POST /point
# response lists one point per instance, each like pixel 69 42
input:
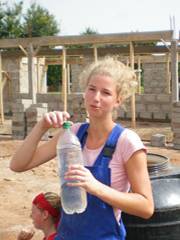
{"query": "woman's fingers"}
pixel 62 117
pixel 56 119
pixel 79 176
pixel 26 234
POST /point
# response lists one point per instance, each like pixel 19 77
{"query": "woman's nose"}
pixel 97 95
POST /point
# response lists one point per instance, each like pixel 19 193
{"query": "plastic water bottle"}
pixel 73 199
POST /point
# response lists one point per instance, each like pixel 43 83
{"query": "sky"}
pixel 112 16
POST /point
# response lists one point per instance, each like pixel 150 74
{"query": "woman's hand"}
pixel 55 119
pixel 26 234
pixel 83 178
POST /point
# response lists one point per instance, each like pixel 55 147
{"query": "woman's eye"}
pixel 91 89
pixel 107 93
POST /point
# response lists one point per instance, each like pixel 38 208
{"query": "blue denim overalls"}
pixel 97 222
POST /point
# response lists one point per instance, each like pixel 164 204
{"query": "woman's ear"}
pixel 45 214
pixel 118 102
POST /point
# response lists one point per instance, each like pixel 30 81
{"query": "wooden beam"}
pixel 168 77
pixel 88 39
pixel 68 79
pixel 113 50
pixel 38 76
pixel 95 53
pixel 31 75
pixel 55 61
pixel 64 80
pixel 174 71
pixel 133 103
pixel 139 74
pixel 1 95
pixel 23 50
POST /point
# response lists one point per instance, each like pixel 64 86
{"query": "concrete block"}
pixel 158 140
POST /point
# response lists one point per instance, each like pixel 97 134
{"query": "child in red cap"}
pixel 46 209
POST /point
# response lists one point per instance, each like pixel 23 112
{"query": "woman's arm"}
pixel 138 202
pixel 31 153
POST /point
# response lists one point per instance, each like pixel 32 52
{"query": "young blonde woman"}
pixel 111 169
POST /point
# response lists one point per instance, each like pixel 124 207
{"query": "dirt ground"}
pixel 18 189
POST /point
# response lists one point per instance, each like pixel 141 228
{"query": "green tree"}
pixel 10 20
pixel 36 22
pixel 87 31
pixel 54 80
pixel 39 22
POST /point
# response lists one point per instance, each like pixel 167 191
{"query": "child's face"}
pixel 37 216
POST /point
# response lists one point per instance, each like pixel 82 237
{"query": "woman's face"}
pixel 37 216
pixel 100 96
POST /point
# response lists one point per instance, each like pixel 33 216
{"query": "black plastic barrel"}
pixel 165 222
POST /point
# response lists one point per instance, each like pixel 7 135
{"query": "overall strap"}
pixel 82 133
pixel 106 154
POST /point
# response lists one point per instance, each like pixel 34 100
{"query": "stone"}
pixel 158 140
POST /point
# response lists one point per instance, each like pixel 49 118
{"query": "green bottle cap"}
pixel 66 125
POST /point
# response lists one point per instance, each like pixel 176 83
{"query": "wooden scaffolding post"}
pixel 68 79
pixel 174 71
pixel 168 78
pixel 1 94
pixel 95 53
pixel 64 81
pixel 31 75
pixel 38 75
pixel 133 104
pixel 139 75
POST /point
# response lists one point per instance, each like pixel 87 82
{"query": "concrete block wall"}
pixel 75 104
pixel 76 69
pixel 155 77
pixel 11 89
pixel 149 107
pixel 175 123
pixel 18 84
pixel 33 115
pixel 19 128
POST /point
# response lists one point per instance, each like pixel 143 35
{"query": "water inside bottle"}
pixel 73 199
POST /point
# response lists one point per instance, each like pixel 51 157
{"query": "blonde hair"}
pixel 54 200
pixel 123 76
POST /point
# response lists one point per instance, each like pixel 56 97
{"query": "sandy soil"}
pixel 18 189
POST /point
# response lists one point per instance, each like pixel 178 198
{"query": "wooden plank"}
pixel 56 61
pixel 133 103
pixel 1 95
pixel 38 76
pixel 168 76
pixel 88 51
pixel 64 79
pixel 95 53
pixel 31 75
pixel 174 72
pixel 88 39
pixel 139 74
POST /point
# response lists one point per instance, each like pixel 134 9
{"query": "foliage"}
pixel 54 79
pixel 36 22
pixel 89 31
pixel 10 20
pixel 86 32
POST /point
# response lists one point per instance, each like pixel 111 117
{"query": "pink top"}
pixel 128 143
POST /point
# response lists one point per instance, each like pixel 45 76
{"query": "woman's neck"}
pixel 98 133
pixel 48 231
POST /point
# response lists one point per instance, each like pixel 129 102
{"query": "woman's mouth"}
pixel 95 107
